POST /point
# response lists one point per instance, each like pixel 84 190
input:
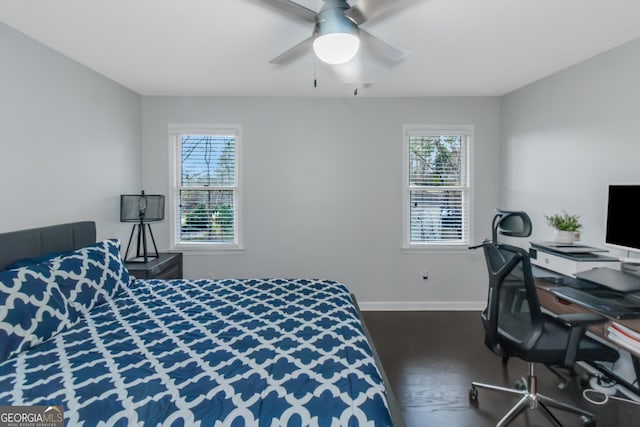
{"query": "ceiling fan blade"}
pixel 294 9
pixel 349 73
pixel 294 53
pixel 364 10
pixel 380 49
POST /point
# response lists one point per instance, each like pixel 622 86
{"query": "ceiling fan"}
pixel 336 36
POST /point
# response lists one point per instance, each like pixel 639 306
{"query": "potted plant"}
pixel 567 227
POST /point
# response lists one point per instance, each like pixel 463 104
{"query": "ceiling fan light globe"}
pixel 336 48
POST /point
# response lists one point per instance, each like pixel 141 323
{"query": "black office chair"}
pixel 515 326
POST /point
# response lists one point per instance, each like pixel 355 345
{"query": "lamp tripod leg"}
pixel 144 242
pixel 126 254
pixel 140 234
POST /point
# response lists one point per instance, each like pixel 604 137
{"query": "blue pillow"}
pixel 90 276
pixel 32 308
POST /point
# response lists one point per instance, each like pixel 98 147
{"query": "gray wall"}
pixel 69 137
pixel 323 192
pixel 568 136
pixel 322 177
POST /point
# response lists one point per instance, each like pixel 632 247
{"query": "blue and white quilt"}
pixel 258 352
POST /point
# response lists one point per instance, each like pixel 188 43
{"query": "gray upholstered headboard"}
pixel 36 242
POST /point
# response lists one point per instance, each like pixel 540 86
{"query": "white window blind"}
pixel 206 188
pixel 437 192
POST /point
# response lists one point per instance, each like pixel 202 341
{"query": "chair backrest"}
pixel 513 311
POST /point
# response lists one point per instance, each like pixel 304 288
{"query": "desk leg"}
pixel 636 368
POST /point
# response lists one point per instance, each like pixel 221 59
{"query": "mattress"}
pixel 253 352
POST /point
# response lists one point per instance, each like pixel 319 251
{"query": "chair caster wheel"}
pixel 587 421
pixel 520 385
pixel 473 394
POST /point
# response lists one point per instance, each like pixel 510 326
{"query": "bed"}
pixel 77 331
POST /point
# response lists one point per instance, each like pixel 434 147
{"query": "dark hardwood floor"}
pixel 431 358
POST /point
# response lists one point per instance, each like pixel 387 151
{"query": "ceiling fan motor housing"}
pixel 331 19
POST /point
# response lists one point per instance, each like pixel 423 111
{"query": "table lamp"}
pixel 141 209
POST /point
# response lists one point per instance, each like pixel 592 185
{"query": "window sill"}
pixel 421 249
pixel 206 249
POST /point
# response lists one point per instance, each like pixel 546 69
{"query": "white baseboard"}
pixel 422 305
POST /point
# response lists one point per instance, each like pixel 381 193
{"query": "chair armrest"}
pixel 581 318
pixel 578 323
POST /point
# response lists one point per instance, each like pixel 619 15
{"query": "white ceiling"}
pixel 223 47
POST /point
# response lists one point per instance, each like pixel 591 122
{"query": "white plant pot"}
pixel 567 237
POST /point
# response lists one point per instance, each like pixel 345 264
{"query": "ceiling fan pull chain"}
pixel 315 73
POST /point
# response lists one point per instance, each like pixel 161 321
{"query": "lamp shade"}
pixel 336 48
pixel 141 207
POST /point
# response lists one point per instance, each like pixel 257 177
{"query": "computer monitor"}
pixel 623 217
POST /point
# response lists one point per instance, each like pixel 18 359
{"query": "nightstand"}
pixel 167 266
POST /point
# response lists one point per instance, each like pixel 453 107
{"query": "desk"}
pixel 555 305
pixel 552 303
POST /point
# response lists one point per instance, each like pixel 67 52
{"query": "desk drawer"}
pixel 567 266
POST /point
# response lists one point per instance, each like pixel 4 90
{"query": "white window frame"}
pixel 175 132
pixel 467 150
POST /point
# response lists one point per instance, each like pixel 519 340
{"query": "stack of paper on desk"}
pixel 624 336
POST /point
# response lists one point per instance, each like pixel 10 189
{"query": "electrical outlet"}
pixel 425 275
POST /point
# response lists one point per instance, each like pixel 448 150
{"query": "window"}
pixel 206 193
pixel 437 193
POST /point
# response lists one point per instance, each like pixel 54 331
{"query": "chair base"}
pixel 531 400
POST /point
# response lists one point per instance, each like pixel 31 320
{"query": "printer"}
pixel 568 259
